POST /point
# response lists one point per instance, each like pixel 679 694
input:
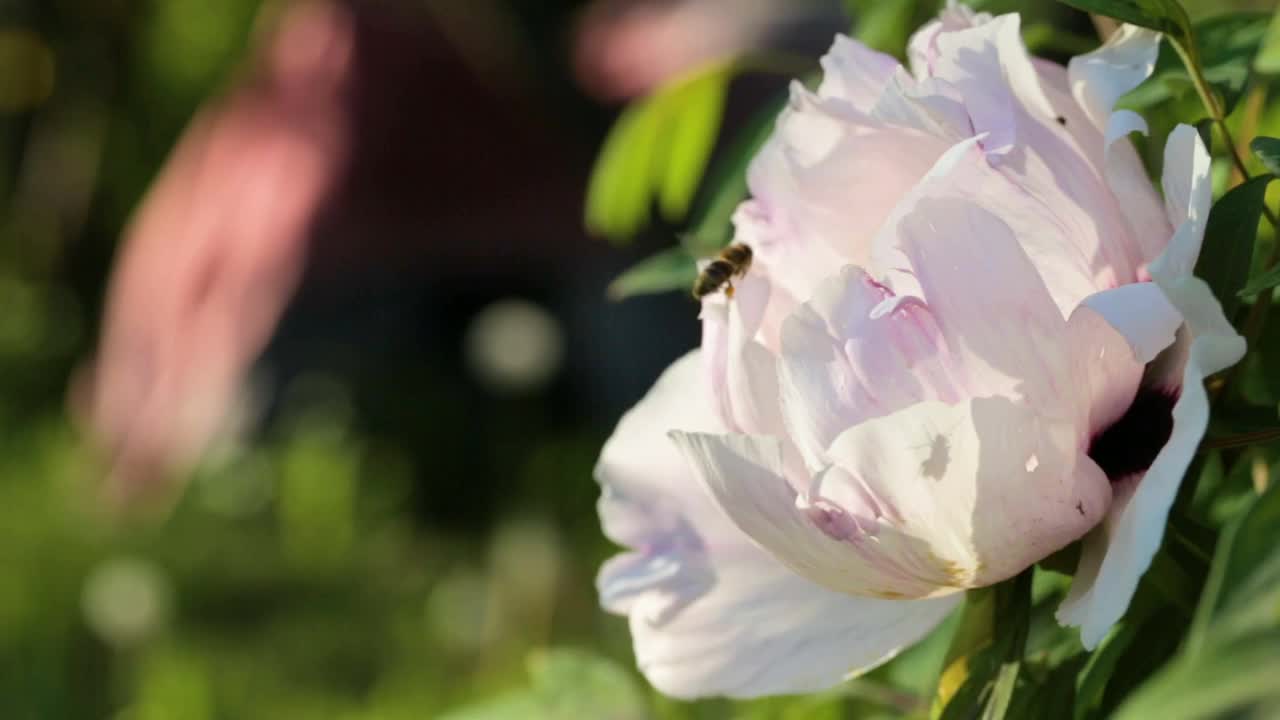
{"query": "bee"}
pixel 733 261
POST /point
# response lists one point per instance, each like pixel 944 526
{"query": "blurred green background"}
pixel 397 534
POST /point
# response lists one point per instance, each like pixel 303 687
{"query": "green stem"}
pixel 1241 440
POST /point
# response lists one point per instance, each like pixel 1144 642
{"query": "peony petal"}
pixel 1099 78
pixel 965 495
pixel 922 49
pixel 854 352
pixel 953 248
pixel 1142 314
pixel 1122 548
pixel 1108 364
pixel 1188 194
pixel 710 612
pixel 646 492
pixel 1133 531
pixel 855 73
pixel 762 630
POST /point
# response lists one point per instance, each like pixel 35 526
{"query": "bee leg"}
pixel 728 290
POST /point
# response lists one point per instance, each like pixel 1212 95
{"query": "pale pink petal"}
pixel 646 491
pixel 922 48
pixel 1133 531
pixel 1099 78
pixel 964 495
pixel 855 73
pixel 854 352
pixel 1060 244
pixel 1119 552
pixel 710 612
pixel 1142 314
pixel 763 630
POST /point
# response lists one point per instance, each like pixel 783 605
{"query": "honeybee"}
pixel 733 261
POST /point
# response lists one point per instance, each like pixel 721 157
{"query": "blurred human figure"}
pixel 627 48
pixel 216 250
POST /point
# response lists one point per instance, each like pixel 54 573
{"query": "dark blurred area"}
pixel 305 357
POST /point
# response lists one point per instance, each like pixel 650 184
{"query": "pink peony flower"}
pixel 970 338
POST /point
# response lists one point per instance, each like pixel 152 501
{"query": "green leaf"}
pixel 1226 679
pixel 1229 237
pixel 1167 16
pixel 711 228
pixel 1226 45
pixel 671 269
pixel 1267 149
pixel 981 670
pixel 1228 663
pixel 658 149
pixel 1268 279
pixel 619 193
pixel 1268 59
pixel 1245 575
pixel 565 683
pixel 694 113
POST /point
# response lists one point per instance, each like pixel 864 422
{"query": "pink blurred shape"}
pixel 627 48
pixel 215 252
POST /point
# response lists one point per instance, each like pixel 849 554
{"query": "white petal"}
pixel 762 630
pixel 1099 78
pixel 1133 531
pixel 1122 548
pixel 646 491
pixel 967 495
pixel 1188 194
pixel 854 352
pixel 710 612
pixel 855 73
pixel 1142 314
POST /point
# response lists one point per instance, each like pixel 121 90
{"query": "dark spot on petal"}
pixel 1080 508
pixel 1062 120
pixel 1131 444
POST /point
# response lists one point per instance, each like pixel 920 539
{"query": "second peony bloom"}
pixel 971 337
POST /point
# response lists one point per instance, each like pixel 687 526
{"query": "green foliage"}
pixel 657 150
pixel 565 684
pixel 1268 60
pixel 1226 46
pixel 710 229
pixel 1167 16
pixel 1268 151
pixel 982 666
pixel 1229 238
pixel 1227 665
pixel 671 269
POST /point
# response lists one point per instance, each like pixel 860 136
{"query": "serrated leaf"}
pixel 657 150
pixel 1229 237
pixel 1167 16
pixel 1267 149
pixel 671 269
